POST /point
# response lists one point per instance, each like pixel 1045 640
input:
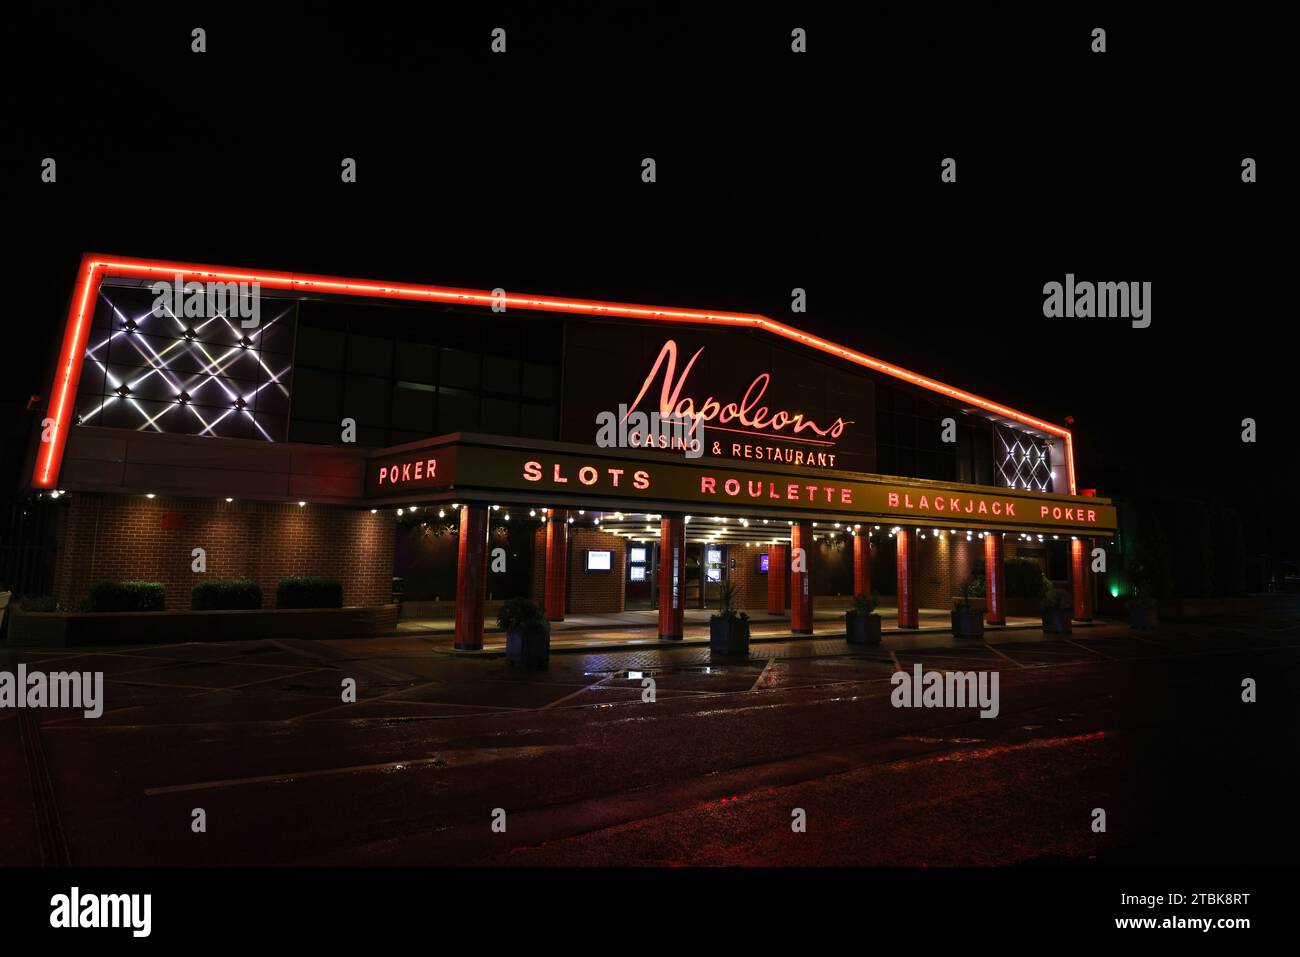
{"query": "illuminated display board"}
pixel 595 476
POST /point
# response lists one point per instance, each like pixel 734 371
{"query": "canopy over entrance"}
pixel 478 467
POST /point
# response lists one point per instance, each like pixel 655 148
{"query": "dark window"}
pixel 459 369
pixel 537 421
pixel 499 416
pixel 365 398
pixel 369 355
pixel 414 408
pixel 501 374
pixel 457 412
pixel 321 348
pixel 417 363
pixel 407 373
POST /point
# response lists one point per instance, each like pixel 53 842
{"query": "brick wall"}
pixel 113 537
pixel 588 592
pixel 751 584
pixel 595 592
pixel 942 564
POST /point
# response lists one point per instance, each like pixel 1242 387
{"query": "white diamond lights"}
pixel 1023 461
pixel 190 376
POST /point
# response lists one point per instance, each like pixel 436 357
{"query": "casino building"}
pixel 445 445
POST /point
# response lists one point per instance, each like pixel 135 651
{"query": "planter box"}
pixel 862 629
pixel 80 629
pixel 528 648
pixel 1056 621
pixel 1144 617
pixel 968 624
pixel 729 636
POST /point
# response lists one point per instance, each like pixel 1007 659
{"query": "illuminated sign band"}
pixel 487 469
pixel 747 412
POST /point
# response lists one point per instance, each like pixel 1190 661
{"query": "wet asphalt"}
pixel 581 770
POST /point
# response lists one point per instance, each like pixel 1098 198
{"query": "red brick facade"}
pixel 588 592
pixel 591 592
pixel 751 584
pixel 115 537
pixel 942 564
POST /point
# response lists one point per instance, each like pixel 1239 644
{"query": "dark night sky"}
pixel 775 171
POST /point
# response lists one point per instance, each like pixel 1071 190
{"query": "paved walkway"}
pixel 637 630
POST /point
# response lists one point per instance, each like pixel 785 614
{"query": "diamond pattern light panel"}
pixel 187 376
pixel 1023 461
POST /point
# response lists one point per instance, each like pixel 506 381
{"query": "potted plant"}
pixel 729 628
pixel 1143 610
pixel 528 633
pixel 967 619
pixel 861 623
pixel 1058 606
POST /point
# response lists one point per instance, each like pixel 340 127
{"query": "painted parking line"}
pixel 1091 651
pixel 1006 656
pixel 259 681
pixel 479 756
pixel 762 674
pixel 570 696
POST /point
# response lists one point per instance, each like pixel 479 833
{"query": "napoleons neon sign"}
pixel 756 418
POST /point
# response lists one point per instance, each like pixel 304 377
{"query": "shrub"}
pixel 37 603
pixel 520 614
pixel 727 604
pixel 222 595
pixel 309 591
pixel 865 604
pixel 1057 599
pixel 967 592
pixel 126 596
pixel 1025 578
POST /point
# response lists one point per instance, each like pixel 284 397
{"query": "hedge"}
pixel 1025 578
pixel 126 596
pixel 225 595
pixel 309 591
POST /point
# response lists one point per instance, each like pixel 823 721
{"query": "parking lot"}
pixel 590 771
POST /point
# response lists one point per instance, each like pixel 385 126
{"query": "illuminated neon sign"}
pixel 95 269
pixel 758 419
pixel 480 470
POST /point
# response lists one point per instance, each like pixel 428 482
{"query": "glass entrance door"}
pixel 641 585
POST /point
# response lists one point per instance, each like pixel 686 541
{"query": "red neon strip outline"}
pixel 95 268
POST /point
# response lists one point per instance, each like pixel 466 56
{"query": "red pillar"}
pixel 1081 577
pixel 672 576
pixel 471 576
pixel 777 568
pixel 801 602
pixel 861 563
pixel 905 539
pixel 557 563
pixel 995 580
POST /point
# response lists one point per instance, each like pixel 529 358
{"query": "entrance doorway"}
pixel 641 589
